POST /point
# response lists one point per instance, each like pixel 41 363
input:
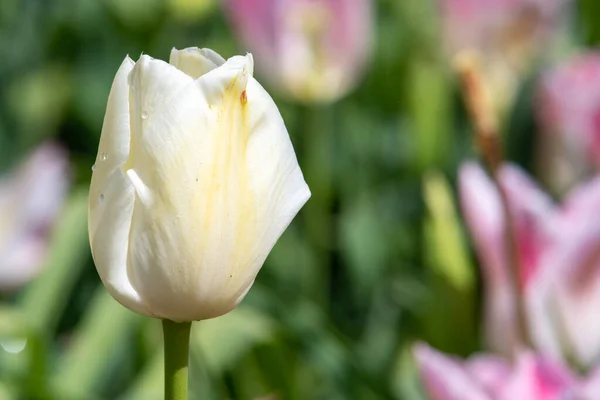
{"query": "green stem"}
pixel 177 341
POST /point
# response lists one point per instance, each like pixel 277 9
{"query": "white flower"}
pixel 194 182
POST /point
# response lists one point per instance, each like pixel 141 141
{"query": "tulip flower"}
pixel 314 50
pixel 568 110
pixel 508 34
pixel 31 198
pixel 507 28
pixel 194 182
pixel 557 260
pixel 489 377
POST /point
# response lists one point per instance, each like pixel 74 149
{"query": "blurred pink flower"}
pixel 568 110
pixel 508 35
pixel 488 377
pixel 315 50
pixel 30 200
pixel 558 253
pixel 505 28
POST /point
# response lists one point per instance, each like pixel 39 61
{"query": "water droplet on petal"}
pixel 102 198
pixel 104 156
pixel 13 345
pixel 144 115
pixel 93 167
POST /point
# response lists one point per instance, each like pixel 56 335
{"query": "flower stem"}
pixel 177 339
pixel 478 100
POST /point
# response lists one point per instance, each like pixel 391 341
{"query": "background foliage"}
pixel 377 259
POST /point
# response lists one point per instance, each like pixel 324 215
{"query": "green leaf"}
pixel 430 111
pixel 450 318
pixel 445 239
pixel 405 379
pixel 46 298
pixel 12 322
pixel 223 341
pixel 150 384
pixel 99 340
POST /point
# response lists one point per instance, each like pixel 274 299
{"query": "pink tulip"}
pixel 487 377
pixel 30 200
pixel 558 254
pixel 507 35
pixel 484 215
pixel 503 28
pixel 315 50
pixel 569 115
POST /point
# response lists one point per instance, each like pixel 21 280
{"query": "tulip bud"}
pixel 30 201
pixel 194 182
pixel 315 50
pixel 568 109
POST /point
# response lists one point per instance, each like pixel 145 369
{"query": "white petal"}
pixel 225 183
pixel 111 196
pixel 195 62
pixel 153 84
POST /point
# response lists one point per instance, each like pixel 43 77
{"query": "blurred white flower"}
pixel 315 50
pixel 194 182
pixel 31 198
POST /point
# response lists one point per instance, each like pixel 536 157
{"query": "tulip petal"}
pixel 195 62
pixel 152 84
pixel 532 210
pixel 30 200
pixel 482 209
pixel 576 292
pixel 568 105
pixel 444 378
pixel 223 182
pixel 111 196
pixel 480 201
pixel 577 207
pixel 491 371
pixel 536 377
pixel 316 50
pixel 588 389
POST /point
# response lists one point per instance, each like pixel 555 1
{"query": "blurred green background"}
pixel 377 259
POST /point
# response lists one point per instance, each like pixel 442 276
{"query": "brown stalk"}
pixel 484 118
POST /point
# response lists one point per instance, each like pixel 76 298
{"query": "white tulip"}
pixel 195 180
